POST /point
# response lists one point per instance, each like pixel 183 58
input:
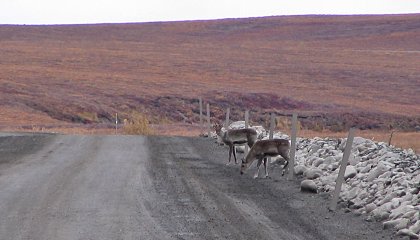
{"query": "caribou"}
pixel 263 149
pixel 235 137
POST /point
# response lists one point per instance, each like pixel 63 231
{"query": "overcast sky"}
pixel 113 11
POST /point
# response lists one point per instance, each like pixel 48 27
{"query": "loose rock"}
pixel 350 172
pixel 313 173
pixel 308 186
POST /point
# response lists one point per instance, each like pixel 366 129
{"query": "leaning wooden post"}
pixel 201 114
pixel 271 132
pixel 272 123
pixel 246 126
pixel 227 118
pixel 340 177
pixel 390 137
pixel 293 147
pixel 208 120
pixel 247 119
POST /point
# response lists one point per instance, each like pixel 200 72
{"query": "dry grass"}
pixel 178 129
pixel 70 129
pixel 137 124
pixel 14 116
pixel 168 129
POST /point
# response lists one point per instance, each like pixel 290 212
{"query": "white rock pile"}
pixel 241 124
pixel 381 182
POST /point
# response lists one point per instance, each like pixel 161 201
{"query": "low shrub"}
pixel 137 124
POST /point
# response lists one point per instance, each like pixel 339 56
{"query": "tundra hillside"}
pixel 335 71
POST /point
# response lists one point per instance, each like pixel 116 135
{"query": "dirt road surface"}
pixel 132 187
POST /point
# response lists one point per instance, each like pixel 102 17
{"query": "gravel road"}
pixel 130 187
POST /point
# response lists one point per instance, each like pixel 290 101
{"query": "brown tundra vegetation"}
pixel 334 71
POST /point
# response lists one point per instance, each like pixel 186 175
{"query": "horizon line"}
pixel 209 19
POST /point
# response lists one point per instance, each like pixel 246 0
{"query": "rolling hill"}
pixel 335 71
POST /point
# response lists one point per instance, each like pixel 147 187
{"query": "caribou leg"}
pixel 286 157
pixel 258 167
pixel 230 153
pixel 265 167
pixel 234 154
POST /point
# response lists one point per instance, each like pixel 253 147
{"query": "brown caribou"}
pixel 235 137
pixel 263 149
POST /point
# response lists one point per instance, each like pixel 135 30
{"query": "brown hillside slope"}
pixel 319 65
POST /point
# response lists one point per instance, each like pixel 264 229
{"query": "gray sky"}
pixel 114 11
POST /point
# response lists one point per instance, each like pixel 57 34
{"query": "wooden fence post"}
pixel 293 147
pixel 246 118
pixel 272 123
pixel 271 131
pixel 116 123
pixel 390 137
pixel 208 120
pixel 246 126
pixel 201 114
pixel 340 177
pixel 227 118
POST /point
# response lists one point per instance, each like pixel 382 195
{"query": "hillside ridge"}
pixel 321 65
